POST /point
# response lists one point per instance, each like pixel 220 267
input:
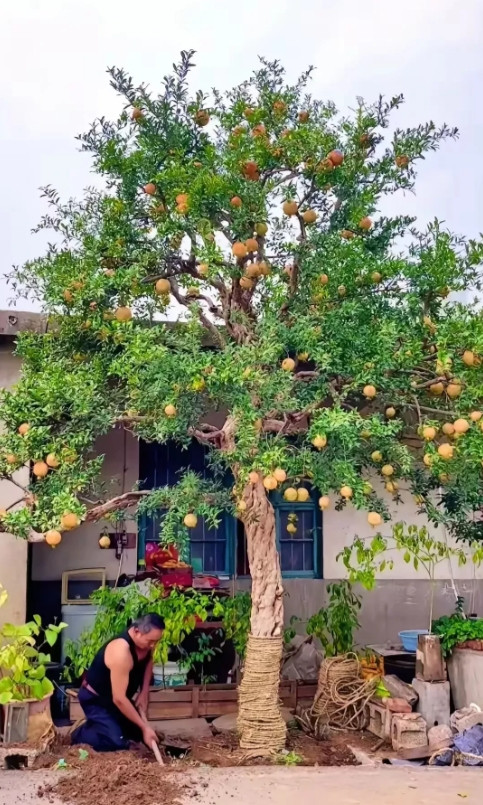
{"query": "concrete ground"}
pixel 290 786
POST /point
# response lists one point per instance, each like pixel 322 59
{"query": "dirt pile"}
pixel 117 778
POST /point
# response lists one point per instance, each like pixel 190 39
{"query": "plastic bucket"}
pixel 409 639
pixel 169 675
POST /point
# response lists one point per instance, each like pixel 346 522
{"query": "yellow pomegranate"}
pixel 253 477
pixel 319 441
pixel 429 433
pixel 309 216
pixel 376 456
pixel 52 461
pixel 448 428
pixel 468 357
pixel 387 470
pixel 246 283
pixel 163 286
pixel 324 502
pixel 170 410
pixel 390 412
pixel 436 389
pixel 290 208
pixel 369 392
pixel 40 469
pixel 290 494
pixel 239 250
pixel 69 520
pixel 24 428
pixel 280 475
pixel 346 492
pixel 251 245
pixel 446 451
pixel 453 390
pixel 253 270
pixel 475 416
pixel 374 519
pixel 123 314
pixel 261 229
pixel 288 365
pixel 270 483
pixel 461 426
pixel 53 537
pixel 190 520
pixel 302 494
pixel 104 541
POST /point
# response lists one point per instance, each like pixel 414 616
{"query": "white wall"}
pixel 13 552
pixel 340 528
pixel 79 549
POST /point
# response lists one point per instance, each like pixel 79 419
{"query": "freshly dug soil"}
pixel 223 750
pixel 134 778
pixel 117 778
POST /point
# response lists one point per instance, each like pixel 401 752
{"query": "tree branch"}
pixel 124 501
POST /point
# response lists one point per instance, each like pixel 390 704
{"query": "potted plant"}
pixel 462 644
pixel 23 661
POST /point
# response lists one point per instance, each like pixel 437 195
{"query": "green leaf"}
pixel 51 636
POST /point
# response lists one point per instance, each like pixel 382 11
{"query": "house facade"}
pixel 400 600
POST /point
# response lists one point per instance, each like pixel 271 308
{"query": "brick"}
pixel 408 731
pixel 379 717
pixel 441 736
pixel 433 702
pixel 17 757
pixel 398 705
pixel 464 719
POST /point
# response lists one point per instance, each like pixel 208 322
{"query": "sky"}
pixel 53 84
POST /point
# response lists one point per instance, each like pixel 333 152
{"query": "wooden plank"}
pixel 214 709
pixel 430 665
pixel 167 710
pixel 218 695
pixel 171 695
pixel 192 701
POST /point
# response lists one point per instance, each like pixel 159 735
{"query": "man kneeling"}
pixel 122 668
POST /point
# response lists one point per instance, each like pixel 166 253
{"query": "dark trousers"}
pixel 106 729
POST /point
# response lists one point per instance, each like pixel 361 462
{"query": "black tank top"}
pixel 98 676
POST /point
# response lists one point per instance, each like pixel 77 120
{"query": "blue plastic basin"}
pixel 409 638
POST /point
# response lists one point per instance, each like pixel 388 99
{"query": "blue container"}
pixel 409 638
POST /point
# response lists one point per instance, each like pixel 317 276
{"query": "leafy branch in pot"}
pixel 335 624
pixel 366 558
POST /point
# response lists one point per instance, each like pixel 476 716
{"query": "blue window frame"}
pixel 300 552
pixel 210 548
pixel 222 551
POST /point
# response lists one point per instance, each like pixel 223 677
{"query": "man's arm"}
pixel 143 697
pixel 119 662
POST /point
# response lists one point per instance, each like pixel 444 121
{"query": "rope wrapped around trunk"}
pixel 341 698
pixel 260 724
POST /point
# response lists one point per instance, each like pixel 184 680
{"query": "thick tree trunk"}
pixel 262 729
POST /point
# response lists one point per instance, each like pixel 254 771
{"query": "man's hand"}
pixel 149 736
